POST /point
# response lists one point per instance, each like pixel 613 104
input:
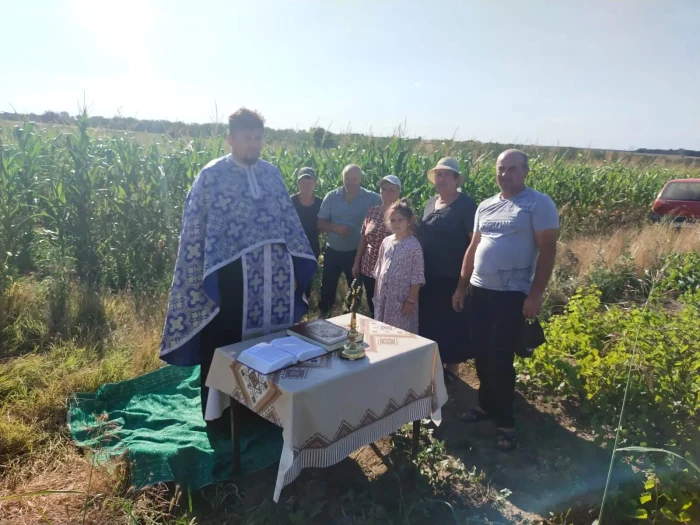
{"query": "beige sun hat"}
pixel 446 163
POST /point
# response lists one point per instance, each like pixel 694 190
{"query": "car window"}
pixel 682 191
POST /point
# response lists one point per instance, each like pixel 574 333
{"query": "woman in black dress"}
pixel 445 233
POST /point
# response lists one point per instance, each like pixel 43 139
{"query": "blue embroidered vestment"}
pixel 234 211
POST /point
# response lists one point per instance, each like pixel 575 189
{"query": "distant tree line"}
pixel 160 127
pixel 681 152
pixel 322 138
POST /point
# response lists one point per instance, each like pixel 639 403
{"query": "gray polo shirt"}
pixel 506 256
pixel 336 209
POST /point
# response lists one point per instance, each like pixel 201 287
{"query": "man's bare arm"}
pixel 547 242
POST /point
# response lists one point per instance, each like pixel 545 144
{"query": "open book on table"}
pixel 279 353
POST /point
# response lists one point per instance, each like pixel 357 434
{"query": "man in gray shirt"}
pixel 341 216
pixel 508 264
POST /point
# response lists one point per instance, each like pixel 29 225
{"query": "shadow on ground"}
pixel 554 469
pixel 379 484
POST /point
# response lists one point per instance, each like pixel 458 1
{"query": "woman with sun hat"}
pixel 445 232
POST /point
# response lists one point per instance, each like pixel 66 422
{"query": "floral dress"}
pixel 376 230
pixel 399 266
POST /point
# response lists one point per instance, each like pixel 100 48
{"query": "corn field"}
pixel 105 210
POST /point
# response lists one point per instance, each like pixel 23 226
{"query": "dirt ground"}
pixel 555 468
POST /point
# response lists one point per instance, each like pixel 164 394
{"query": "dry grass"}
pixel 77 345
pixel 86 493
pixel 644 245
pixel 59 467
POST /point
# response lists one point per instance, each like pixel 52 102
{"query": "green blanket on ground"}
pixel 157 420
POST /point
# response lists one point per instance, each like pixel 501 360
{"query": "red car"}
pixel 679 200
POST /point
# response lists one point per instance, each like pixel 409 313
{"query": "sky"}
pixel 618 74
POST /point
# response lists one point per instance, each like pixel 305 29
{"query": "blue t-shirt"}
pixel 336 209
pixel 506 256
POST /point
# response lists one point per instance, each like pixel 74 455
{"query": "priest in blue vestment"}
pixel 243 261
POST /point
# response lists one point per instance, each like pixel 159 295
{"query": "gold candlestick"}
pixel 353 350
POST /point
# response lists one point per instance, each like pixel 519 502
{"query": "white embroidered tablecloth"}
pixel 329 407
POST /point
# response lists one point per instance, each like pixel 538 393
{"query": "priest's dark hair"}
pixel 245 119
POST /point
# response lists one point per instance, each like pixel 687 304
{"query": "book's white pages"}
pixel 266 358
pixel 302 350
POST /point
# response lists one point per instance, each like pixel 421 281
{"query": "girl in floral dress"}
pixel 399 272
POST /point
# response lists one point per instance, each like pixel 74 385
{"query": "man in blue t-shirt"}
pixel 341 216
pixel 508 265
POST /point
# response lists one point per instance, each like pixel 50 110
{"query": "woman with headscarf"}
pixel 445 232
